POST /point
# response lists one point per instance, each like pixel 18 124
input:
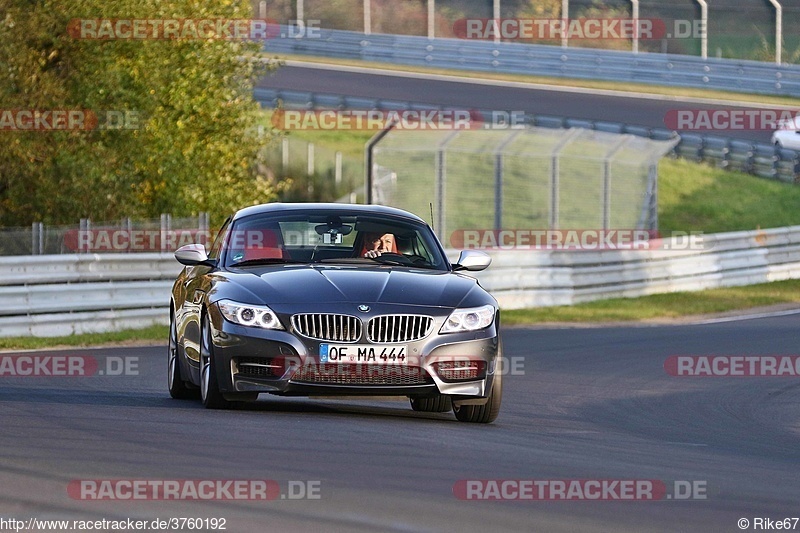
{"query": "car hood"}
pixel 381 284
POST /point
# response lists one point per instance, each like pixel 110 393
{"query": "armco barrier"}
pixel 53 295
pixel 552 61
pixel 64 294
pixel 520 279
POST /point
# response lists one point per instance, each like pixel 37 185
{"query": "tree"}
pixel 195 147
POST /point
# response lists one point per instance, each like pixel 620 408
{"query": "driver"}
pixel 376 244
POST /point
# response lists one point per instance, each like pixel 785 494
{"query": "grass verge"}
pixel 114 338
pixel 662 306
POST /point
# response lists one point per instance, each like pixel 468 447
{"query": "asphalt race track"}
pixel 583 404
pixel 467 95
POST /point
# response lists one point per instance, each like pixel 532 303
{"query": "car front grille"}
pixel 398 328
pixel 328 327
pixel 360 374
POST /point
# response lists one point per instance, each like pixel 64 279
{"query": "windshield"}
pixel 330 238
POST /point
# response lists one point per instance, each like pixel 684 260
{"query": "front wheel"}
pixel 177 386
pixel 210 395
pixel 486 413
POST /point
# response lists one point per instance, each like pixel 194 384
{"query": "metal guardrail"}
pixel 64 294
pixel 551 61
pixel 757 158
pixel 54 295
pixel 520 279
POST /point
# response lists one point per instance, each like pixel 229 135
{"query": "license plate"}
pixel 371 354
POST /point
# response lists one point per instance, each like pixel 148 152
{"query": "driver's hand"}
pixel 372 254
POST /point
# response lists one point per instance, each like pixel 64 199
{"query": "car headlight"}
pixel 259 316
pixel 471 319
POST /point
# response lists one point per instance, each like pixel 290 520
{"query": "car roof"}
pixel 357 209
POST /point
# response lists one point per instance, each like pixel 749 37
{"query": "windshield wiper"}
pixel 266 261
pixel 406 262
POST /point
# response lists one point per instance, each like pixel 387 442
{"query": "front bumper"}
pixel 285 363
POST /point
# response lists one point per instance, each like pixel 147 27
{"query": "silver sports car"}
pixel 334 299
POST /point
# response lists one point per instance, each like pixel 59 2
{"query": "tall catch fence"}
pixel 519 178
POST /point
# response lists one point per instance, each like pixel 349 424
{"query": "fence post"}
pixel 83 229
pixel 367 17
pixel 498 179
pixel 166 226
pixel 496 15
pixel 607 179
pixel 431 19
pixel 337 173
pixel 555 174
pixel 441 185
pixel 285 154
pixel 635 14
pixel 778 31
pixel 310 159
pixel 37 238
pixel 703 28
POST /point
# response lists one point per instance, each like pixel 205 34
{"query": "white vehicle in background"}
pixel 788 134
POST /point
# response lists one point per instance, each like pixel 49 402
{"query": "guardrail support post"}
pixel 367 17
pixel 565 21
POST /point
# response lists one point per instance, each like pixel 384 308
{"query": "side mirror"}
pixel 192 255
pixel 472 261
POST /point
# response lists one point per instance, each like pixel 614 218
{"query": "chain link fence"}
pixel 163 234
pixel 741 29
pixel 311 171
pixel 530 177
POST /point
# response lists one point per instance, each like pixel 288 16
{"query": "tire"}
pixel 175 382
pixel 486 413
pixel 436 404
pixel 210 395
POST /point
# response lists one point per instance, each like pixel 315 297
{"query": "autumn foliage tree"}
pixel 191 144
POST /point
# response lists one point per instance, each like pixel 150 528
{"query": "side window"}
pixel 216 247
